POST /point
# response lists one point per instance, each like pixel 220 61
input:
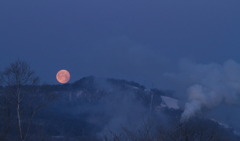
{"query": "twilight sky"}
pixel 130 39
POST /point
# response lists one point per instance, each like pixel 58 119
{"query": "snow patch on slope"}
pixel 169 102
pixel 221 123
pixel 226 126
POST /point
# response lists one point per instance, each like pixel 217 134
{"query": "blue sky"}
pixel 131 39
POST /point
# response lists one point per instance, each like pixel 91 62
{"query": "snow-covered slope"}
pixel 169 102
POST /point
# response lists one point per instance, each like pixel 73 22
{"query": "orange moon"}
pixel 63 76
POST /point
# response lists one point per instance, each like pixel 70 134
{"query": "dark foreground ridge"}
pixel 94 109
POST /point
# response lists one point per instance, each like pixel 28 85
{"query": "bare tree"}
pixel 22 93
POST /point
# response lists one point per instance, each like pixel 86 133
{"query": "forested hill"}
pixel 93 109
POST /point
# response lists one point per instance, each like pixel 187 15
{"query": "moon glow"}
pixel 63 76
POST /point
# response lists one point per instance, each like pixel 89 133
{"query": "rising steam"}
pixel 210 85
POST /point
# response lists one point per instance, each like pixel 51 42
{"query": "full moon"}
pixel 63 76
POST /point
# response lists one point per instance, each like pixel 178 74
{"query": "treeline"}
pixel 118 110
pixel 20 101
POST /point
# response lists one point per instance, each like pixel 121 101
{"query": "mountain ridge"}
pixel 104 108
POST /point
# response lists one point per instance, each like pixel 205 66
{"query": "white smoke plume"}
pixel 210 85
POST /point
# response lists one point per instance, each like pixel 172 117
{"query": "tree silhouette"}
pixel 22 97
